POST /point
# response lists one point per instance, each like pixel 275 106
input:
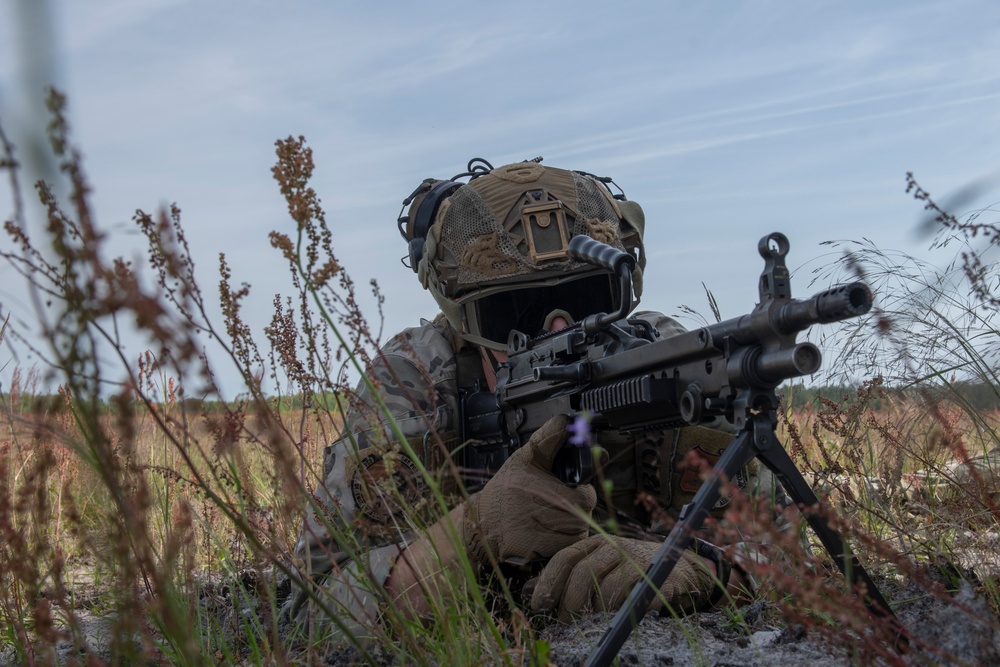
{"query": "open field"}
pixel 139 526
pixel 213 534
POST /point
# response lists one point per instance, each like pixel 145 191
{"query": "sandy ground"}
pixel 956 631
pixel 948 636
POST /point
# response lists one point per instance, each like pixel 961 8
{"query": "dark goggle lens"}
pixel 525 309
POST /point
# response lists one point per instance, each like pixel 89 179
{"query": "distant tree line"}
pixel 973 395
pixel 978 396
pixel 53 404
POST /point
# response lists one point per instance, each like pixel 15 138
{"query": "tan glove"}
pixel 524 512
pixel 597 574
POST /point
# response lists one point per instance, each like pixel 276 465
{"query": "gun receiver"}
pixel 622 372
pixel 628 378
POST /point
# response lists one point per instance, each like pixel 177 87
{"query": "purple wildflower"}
pixel 580 428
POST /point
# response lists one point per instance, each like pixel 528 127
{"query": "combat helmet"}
pixel 493 251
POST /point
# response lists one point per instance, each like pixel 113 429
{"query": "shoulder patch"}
pixel 384 486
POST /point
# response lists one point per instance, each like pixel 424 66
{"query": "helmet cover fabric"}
pixel 511 227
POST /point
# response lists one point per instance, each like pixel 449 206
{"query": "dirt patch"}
pixel 957 630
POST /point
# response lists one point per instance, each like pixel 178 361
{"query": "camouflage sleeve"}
pixel 372 488
pixel 369 476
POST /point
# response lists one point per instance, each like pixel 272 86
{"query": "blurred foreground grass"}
pixel 174 519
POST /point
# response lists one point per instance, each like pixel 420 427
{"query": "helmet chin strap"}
pixel 490 365
pixel 483 342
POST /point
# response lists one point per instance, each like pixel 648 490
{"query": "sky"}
pixel 725 120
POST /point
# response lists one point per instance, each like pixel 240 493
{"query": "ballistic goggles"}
pixel 530 309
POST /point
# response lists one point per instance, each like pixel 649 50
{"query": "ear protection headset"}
pixel 414 225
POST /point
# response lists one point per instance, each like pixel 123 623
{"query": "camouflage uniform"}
pixel 417 377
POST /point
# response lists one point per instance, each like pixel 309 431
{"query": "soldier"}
pixel 493 254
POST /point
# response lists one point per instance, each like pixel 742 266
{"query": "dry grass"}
pixel 183 513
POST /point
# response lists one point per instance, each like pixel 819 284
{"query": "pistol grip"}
pixel 574 465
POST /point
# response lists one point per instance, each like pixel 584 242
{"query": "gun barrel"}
pixel 776 367
pixel 833 305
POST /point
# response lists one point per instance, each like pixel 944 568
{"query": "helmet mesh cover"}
pixel 476 246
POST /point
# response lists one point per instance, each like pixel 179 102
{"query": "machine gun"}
pixel 627 378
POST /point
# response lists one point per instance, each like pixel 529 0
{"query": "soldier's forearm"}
pixel 422 573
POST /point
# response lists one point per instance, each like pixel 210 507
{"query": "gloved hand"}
pixel 524 512
pixel 598 573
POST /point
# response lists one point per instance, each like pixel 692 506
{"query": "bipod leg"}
pixel 772 454
pixel 739 452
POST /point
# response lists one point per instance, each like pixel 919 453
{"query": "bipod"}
pixel 756 440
